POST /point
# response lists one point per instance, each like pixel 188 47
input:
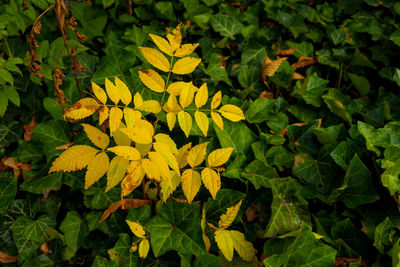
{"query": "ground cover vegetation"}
pixel 199 133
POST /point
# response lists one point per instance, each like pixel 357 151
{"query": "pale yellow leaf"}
pixel 161 164
pixel 82 109
pixel 112 91
pixel 115 119
pixel 211 180
pixel 176 88
pixel 191 183
pixel 186 96
pixel 175 39
pixel 137 100
pixel 201 96
pixel 243 247
pixel 166 188
pixel 120 138
pixel 202 121
pixel 166 152
pixel 186 65
pixel 171 120
pixel 99 93
pixel 166 139
pixel 185 122
pixel 207 242
pixel 162 44
pixel 131 116
pixel 141 133
pixel 225 243
pixel 152 106
pixel 97 167
pixel 128 152
pixel 185 50
pixel 229 216
pixel 143 148
pixel 125 93
pixel 152 80
pixel 98 138
pixel 151 170
pixel 216 100
pixel 217 120
pixel 219 156
pixel 133 178
pixel 73 159
pixel 136 228
pixel 172 104
pixel 182 155
pixel 116 171
pixel 232 112
pixel 144 247
pixel 103 115
pixel 155 58
pixel 197 154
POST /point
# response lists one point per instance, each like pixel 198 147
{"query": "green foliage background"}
pixel 339 179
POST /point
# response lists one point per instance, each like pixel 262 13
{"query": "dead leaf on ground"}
pixel 297 76
pixel 304 62
pixel 6 258
pixel 28 129
pixel 253 212
pixel 266 94
pixel 270 67
pixel 286 52
pixel 18 168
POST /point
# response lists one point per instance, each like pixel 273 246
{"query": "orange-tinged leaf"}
pixel 243 247
pixel 97 167
pixel 166 139
pixel 152 106
pixel 185 50
pixel 152 80
pixel 137 100
pixel 229 216
pixel 155 58
pixel 232 112
pixel 125 93
pixel 144 247
pixel 216 100
pixel 186 65
pixel 175 39
pixel 162 44
pixel 127 152
pixel 217 120
pixel 171 120
pixel 201 96
pixel 115 119
pixel 136 228
pixel 225 243
pixel 82 109
pixel 73 159
pixel 182 155
pixel 161 164
pixel 197 154
pixel 131 116
pixel 112 91
pixel 99 93
pixel 211 181
pixel 125 204
pixel 103 114
pixel 133 178
pixel 116 171
pixel 202 121
pixel 191 183
pixel 286 52
pixel 98 138
pixel 165 151
pixel 271 66
pixel 151 170
pixel 186 96
pixel 219 156
pixel 185 122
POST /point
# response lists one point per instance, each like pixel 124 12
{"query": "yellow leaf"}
pixel 161 164
pixel 115 119
pixel 172 104
pixel 217 120
pixel 98 138
pixel 166 152
pixel 125 93
pixel 182 155
pixel 131 116
pixel 318 236
pixel 152 80
pixel 176 88
pixel 155 58
pixel 137 100
pixel 185 50
pixel 137 229
pixel 120 138
pixel 97 167
pixel 171 119
pixel 202 121
pixel 82 109
pixel 166 139
pixel 112 91
pixel 185 122
pixel 201 96
pixel 99 93
pixel 166 188
pixel 151 170
pixel 197 154
pixel 141 133
pixel 191 183
pixel 73 159
pixel 219 156
pixel 216 100
pixel 186 65
pixel 229 216
pixel 186 96
pixel 133 178
pixel 144 247
pixel 175 39
pixel 152 106
pixel 225 243
pixel 162 44
pixel 243 247
pixel 232 112
pixel 211 181
pixel 103 115
pixel 116 171
pixel 127 152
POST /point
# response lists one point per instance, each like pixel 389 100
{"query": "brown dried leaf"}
pixel 45 248
pixel 304 62
pixel 37 27
pixel 266 94
pixel 124 204
pixel 6 258
pixel 253 212
pixel 58 77
pixel 28 129
pixel 64 147
pixel 270 67
pixel 61 11
pixel 297 76
pixel 24 167
pixel 286 52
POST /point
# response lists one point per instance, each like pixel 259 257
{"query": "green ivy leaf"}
pixel 226 25
pixel 75 230
pixel 8 190
pixel 45 183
